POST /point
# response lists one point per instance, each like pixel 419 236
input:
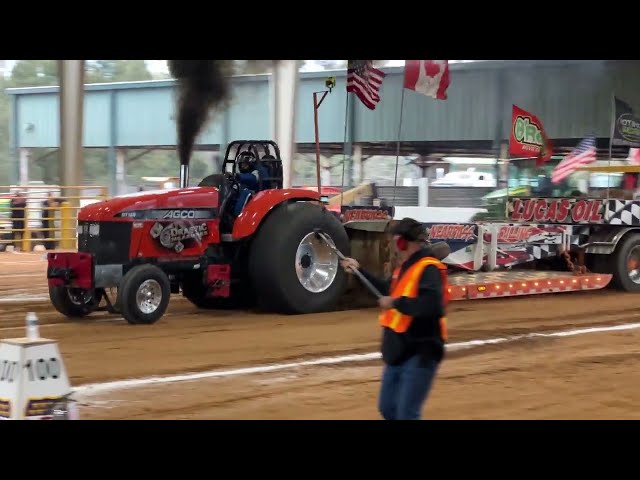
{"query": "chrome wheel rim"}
pixel 79 297
pixel 633 264
pixel 316 264
pixel 149 296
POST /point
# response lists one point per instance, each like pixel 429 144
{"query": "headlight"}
pixel 94 229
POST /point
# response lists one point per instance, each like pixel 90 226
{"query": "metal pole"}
pixel 315 122
pixel 395 178
pixel 612 133
pixel 71 74
pixel 344 157
pixel 316 106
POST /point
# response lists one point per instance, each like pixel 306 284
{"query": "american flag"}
pixel 365 80
pixel 583 154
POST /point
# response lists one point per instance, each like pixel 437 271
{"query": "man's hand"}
pixel 350 264
pixel 385 303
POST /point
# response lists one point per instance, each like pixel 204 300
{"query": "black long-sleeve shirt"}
pixel 423 335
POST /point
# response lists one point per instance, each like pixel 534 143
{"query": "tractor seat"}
pixel 272 174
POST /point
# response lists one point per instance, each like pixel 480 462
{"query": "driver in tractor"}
pixel 249 176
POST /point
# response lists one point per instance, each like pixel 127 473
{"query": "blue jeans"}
pixel 405 388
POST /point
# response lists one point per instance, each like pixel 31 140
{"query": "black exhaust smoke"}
pixel 203 85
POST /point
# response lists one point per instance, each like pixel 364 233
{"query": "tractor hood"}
pixel 180 203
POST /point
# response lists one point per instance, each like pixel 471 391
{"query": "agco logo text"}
pixel 180 214
pixel 527 132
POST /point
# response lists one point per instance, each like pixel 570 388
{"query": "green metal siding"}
pixel 97 109
pixel 144 117
pixel 331 114
pixel 40 111
pixel 468 113
pixel 249 110
pixel 572 98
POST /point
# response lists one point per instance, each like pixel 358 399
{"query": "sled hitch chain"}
pixel 579 269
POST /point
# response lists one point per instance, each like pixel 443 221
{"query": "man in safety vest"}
pixel 412 319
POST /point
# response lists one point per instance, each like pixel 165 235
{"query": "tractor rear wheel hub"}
pixel 316 264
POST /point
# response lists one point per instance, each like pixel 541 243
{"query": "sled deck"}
pixel 465 286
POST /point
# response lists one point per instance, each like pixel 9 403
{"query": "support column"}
pixel 501 148
pixel 116 185
pixel 121 158
pixel 423 192
pixel 284 95
pixel 503 170
pixel 358 170
pixel 14 141
pixel 226 136
pixel 23 176
pixel 71 74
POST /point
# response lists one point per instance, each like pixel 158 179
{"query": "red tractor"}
pixel 149 245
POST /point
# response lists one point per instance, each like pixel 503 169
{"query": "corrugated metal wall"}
pixel 572 98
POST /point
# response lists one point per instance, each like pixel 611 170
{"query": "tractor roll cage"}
pixel 266 153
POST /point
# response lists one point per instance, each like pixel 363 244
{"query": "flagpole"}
pixel 344 147
pixel 395 179
pixel 613 123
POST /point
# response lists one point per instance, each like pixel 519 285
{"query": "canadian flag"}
pixel 429 77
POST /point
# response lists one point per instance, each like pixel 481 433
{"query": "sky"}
pixel 160 66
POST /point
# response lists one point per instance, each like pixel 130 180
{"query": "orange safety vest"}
pixel 407 286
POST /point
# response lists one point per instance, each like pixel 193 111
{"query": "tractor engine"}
pixel 163 232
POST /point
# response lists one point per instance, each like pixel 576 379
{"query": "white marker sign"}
pixel 33 378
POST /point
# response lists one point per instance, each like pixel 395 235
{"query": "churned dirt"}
pixel 587 375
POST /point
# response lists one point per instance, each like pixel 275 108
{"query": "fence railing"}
pixel 43 216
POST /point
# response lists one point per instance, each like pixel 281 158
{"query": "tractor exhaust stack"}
pixel 184 176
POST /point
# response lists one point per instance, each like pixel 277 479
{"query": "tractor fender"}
pixel 605 241
pixel 261 204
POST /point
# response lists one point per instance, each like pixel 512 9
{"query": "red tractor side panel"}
pixel 160 239
pixel 254 212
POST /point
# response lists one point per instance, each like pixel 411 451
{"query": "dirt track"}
pixel 584 376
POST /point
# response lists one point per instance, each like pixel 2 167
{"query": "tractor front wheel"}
pixel 143 294
pixel 73 302
pixel 293 270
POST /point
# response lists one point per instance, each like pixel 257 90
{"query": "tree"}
pixel 33 73
pixel 105 71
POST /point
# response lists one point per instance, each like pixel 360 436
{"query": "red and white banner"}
pixel 429 77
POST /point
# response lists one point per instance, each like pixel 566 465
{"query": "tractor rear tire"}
pixel 69 303
pixel 143 295
pixel 286 253
pixel 628 248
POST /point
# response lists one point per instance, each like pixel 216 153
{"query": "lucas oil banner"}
pixel 557 210
pixel 528 138
pixel 626 125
